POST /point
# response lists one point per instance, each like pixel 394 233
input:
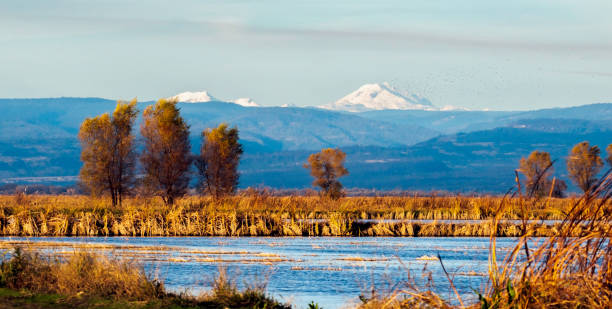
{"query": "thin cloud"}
pixel 590 73
pixel 62 26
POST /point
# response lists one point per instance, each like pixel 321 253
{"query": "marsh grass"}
pixel 572 268
pixel 262 215
pixel 226 294
pixel 87 276
pixel 79 273
pixel 411 292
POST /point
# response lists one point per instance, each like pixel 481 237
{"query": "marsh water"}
pixel 332 271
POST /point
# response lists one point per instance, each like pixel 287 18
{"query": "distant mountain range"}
pixel 405 148
pixel 447 122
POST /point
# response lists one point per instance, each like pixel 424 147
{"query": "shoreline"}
pixel 76 228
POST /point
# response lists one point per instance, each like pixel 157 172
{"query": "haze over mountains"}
pixel 393 139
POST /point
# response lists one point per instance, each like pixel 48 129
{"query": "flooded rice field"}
pixel 332 271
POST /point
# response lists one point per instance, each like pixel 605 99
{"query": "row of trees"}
pixel 110 158
pixel 583 165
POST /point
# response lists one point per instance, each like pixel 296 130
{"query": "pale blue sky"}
pixel 476 53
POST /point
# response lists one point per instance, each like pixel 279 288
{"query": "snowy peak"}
pixel 451 108
pixel 205 96
pixel 247 102
pixel 380 97
pixel 193 97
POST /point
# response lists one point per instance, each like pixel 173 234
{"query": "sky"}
pixel 477 54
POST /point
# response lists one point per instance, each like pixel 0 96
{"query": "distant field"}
pixel 260 215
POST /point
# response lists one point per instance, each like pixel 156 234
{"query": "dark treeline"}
pixel 41 189
pixel 76 189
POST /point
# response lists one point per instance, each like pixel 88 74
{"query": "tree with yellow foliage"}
pixel 166 157
pixel 218 161
pixel 107 152
pixel 583 165
pixel 538 170
pixel 326 167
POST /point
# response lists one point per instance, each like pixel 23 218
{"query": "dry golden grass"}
pixel 78 273
pixel 300 207
pixel 261 215
pixel 572 268
pixel 82 275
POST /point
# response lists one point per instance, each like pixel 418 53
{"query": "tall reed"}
pixel 571 268
pixel 258 215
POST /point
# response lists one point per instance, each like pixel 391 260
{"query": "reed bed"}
pixel 572 268
pixel 261 215
pixel 430 208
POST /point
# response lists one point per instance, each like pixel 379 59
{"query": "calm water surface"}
pixel 332 271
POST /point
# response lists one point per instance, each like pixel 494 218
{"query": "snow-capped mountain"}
pixel 380 97
pixel 205 96
pixel 194 97
pixel 248 102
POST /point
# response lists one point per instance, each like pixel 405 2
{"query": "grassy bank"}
pixel 260 215
pixel 86 280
